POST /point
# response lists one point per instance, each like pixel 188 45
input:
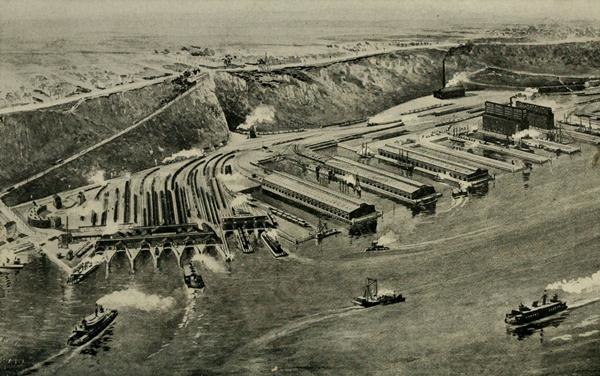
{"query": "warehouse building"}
pixel 410 192
pixel 318 198
pixel 422 159
pixel 505 120
pixel 537 116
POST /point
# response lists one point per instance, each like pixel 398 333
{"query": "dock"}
pixel 530 157
pixel 552 146
pixel 478 159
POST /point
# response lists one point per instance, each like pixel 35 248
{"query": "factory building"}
pixel 448 92
pixel 502 119
pixel 538 116
pixel 427 161
pixel 413 193
pixel 318 198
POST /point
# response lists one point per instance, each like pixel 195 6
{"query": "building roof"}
pixel 375 174
pixel 325 195
pixel 415 153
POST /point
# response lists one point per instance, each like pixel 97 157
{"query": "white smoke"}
pixel 261 114
pixel 578 285
pixel 111 227
pixel 349 179
pixel 210 263
pixel 184 154
pixel 239 200
pixel 389 237
pixel 97 177
pixel 133 298
pixel 457 79
pixel 530 92
pixel 531 133
pixel 234 182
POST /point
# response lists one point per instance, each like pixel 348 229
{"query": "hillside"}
pixel 193 121
pixel 314 96
pixel 557 59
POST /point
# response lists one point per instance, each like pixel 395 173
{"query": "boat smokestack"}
pixel 444 72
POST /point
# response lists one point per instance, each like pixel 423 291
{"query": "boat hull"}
pixel 12 267
pixel 78 339
pixel 380 300
pixel 533 316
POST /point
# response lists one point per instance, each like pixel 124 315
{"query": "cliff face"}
pixel 32 140
pixel 562 59
pixel 195 120
pixel 314 96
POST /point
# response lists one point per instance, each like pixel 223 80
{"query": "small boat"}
pixel 81 271
pixel 457 193
pixel 192 278
pixel 375 247
pixel 524 314
pixel 273 245
pixel 91 326
pixel 371 297
pixel 16 264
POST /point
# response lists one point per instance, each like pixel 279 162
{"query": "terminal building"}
pixel 435 165
pixel 537 116
pixel 413 193
pixel 503 119
pixel 320 199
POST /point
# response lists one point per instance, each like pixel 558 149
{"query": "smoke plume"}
pixel 184 154
pixel 135 299
pixel 261 114
pixel 578 285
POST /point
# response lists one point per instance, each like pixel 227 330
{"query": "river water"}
pixel 460 269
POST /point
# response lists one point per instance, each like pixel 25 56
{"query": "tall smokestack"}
pixel 444 72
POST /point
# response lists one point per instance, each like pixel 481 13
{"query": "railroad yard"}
pixel 421 157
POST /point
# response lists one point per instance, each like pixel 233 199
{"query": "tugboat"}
pixel 91 326
pixel 192 278
pixel 16 264
pixel 459 192
pixel 525 314
pixel 371 298
pixel 375 247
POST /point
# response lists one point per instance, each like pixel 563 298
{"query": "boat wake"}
pixel 441 240
pixel 46 362
pixel 295 326
pixel 455 204
pixel 301 259
pixel 189 308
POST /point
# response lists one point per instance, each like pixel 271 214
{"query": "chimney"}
pixel 444 72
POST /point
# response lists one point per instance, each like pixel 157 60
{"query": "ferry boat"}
pixel 16 264
pixel 81 271
pixel 192 278
pixel 91 326
pixel 371 297
pixel 524 314
pixel 273 245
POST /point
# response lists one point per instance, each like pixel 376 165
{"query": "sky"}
pixel 263 20
pixel 307 9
